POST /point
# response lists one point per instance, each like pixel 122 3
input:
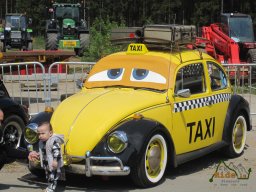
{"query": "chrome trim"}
pixel 104 170
pixel 89 169
pixel 121 135
pixel 33 127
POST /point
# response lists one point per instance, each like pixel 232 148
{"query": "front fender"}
pixel 41 117
pixel 237 105
pixel 138 132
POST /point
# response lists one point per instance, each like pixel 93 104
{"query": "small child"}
pixel 49 154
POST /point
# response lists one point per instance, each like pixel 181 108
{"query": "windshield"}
pixel 130 71
pixel 240 29
pixel 16 21
pixel 67 13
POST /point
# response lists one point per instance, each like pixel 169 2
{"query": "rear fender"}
pixel 237 105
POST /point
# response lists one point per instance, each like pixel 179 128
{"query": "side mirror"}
pixel 183 93
pixel 79 83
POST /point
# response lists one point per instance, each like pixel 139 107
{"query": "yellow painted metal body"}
pixel 86 117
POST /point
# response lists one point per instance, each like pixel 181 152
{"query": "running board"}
pixel 183 158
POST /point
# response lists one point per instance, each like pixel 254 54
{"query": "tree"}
pixel 100 44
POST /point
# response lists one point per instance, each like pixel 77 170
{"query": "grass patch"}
pixel 38 42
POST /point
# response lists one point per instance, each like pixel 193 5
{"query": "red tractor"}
pixel 231 41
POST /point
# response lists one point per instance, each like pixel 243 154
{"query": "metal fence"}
pixel 38 85
pixel 243 80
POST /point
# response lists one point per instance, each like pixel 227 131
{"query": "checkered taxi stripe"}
pixel 202 102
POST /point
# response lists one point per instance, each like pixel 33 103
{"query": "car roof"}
pixel 175 58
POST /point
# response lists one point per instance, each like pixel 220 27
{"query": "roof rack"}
pixel 156 36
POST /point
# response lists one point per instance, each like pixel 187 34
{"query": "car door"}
pixel 221 94
pixel 193 120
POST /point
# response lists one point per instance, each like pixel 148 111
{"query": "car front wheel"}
pixel 152 164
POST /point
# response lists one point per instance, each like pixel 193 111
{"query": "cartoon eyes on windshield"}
pixel 139 74
pixel 144 75
pixel 114 73
pixel 108 75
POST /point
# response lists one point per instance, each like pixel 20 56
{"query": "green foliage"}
pixel 34 9
pixel 38 42
pixel 100 44
pixel 137 12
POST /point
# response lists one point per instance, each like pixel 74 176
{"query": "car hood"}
pixel 86 117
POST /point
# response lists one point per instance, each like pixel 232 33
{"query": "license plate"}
pixel 69 43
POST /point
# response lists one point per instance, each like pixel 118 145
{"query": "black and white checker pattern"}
pixel 201 102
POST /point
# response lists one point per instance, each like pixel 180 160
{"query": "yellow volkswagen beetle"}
pixel 140 111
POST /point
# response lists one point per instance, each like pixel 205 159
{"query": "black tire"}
pixel 149 170
pixel 12 130
pixel 1 46
pixel 51 41
pixel 84 43
pixel 30 46
pixel 238 137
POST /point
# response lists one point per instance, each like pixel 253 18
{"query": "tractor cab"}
pixel 238 26
pixel 15 22
pixel 67 11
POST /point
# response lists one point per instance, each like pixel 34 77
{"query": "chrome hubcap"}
pixel 154 158
pixel 11 136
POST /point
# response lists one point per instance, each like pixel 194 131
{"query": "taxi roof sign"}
pixel 137 49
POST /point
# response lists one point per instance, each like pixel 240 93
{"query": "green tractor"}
pixel 66 28
pixel 16 33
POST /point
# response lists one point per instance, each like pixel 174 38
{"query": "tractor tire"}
pixel 251 58
pixel 84 43
pixel 2 47
pixel 51 41
pixel 30 46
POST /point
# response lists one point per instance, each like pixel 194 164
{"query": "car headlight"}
pixel 31 135
pixel 117 141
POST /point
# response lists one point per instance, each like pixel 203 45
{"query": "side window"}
pixel 217 76
pixel 191 77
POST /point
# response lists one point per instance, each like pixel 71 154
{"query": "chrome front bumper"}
pixel 89 169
